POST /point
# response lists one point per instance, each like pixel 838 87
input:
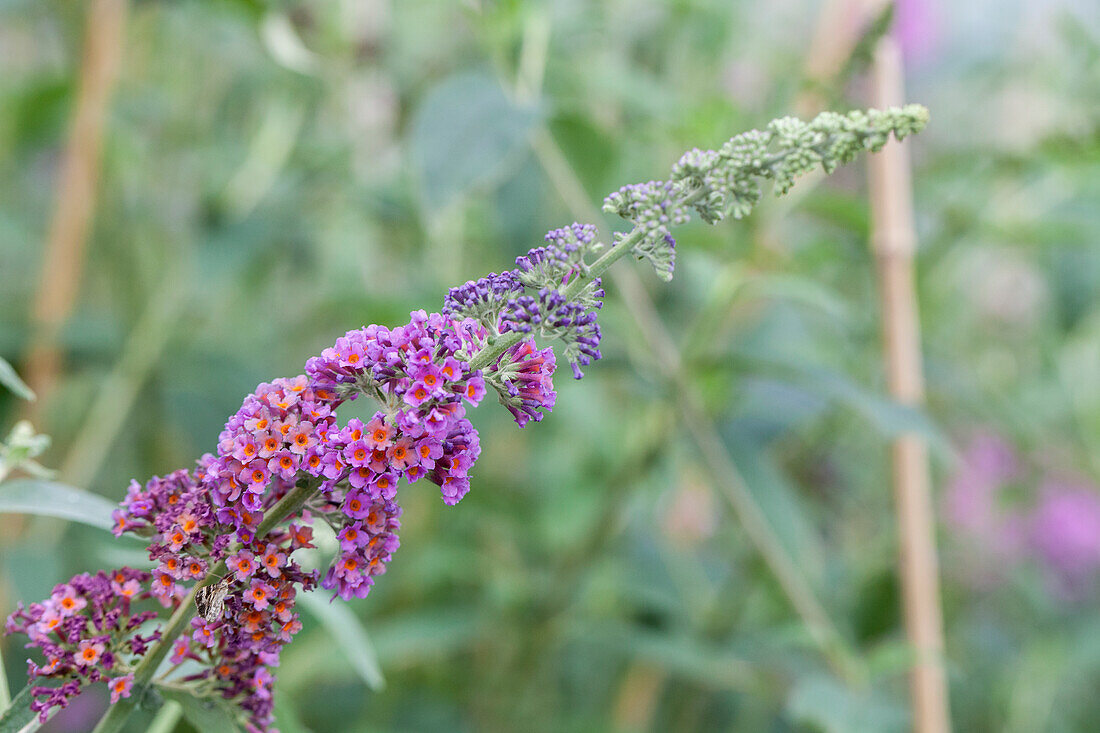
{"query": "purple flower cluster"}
pixel 415 371
pixel 483 299
pixel 186 535
pixel 284 433
pixel 527 374
pixel 552 314
pixel 86 630
pixel 530 299
pixel 654 208
pixel 366 546
pixel 239 648
pixel 561 259
pixel 278 431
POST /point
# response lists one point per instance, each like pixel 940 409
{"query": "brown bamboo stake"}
pixel 63 260
pixel 893 241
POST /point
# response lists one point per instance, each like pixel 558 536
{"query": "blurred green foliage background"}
pixel 274 174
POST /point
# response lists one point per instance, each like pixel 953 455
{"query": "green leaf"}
pixel 33 573
pixel 806 370
pixel 708 664
pixel 349 635
pixel 466 133
pixel 206 715
pixel 11 380
pixel 19 712
pixel 52 499
pixel 824 704
pixel 779 500
pixel 286 715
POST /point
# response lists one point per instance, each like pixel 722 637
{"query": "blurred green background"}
pixel 274 174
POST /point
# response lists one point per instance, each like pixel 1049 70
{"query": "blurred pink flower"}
pixel 974 508
pixel 1060 528
pixel 1065 532
pixel 917 28
pixel 987 463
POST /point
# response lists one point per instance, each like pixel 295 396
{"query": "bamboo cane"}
pixel 893 241
pixel 63 259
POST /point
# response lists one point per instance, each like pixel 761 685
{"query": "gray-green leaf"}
pixel 19 712
pixel 350 636
pixel 52 499
pixel 465 134
pixel 11 380
pixel 206 715
pixel 827 705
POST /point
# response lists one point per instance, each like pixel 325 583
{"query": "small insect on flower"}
pixel 210 600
